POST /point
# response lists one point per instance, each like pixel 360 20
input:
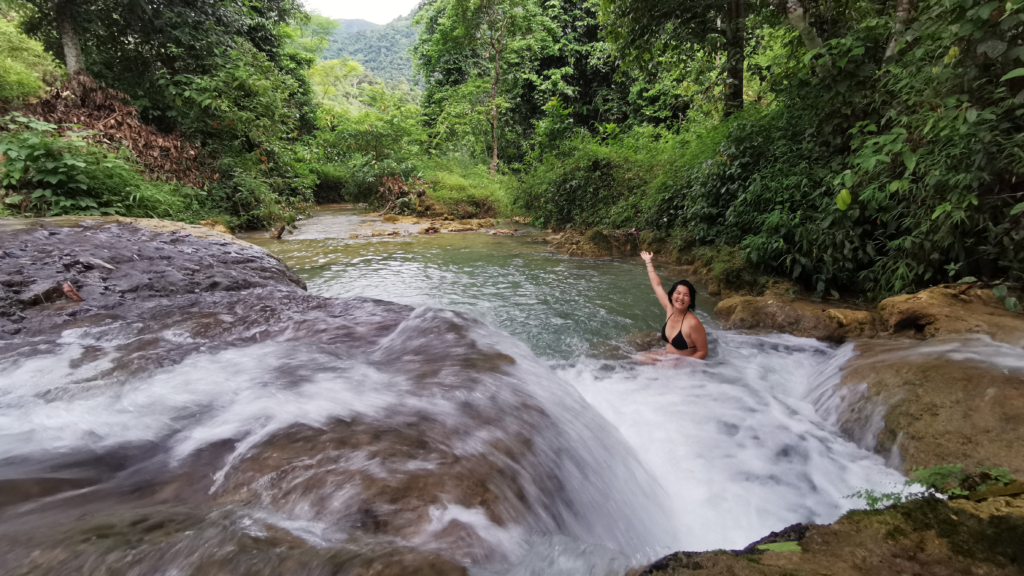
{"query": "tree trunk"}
pixel 797 16
pixel 735 30
pixel 494 112
pixel 904 9
pixel 63 12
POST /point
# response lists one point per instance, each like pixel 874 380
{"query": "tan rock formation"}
pixel 940 311
pixel 793 316
pixel 204 232
pixel 215 225
pixel 952 309
pixel 936 409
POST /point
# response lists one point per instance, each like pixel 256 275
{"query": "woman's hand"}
pixel 646 256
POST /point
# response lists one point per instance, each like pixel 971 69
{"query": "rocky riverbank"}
pixel 928 537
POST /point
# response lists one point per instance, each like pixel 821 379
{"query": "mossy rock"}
pixel 600 240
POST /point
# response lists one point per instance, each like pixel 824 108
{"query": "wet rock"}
pixel 187 540
pixel 794 316
pixel 927 536
pixel 952 309
pixel 597 243
pixel 464 444
pixel 111 263
pixel 998 506
pixel 929 404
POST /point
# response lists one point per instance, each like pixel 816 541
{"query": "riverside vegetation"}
pixel 852 146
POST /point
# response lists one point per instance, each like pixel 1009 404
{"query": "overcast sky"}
pixel 376 11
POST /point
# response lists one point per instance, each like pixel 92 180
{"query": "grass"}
pixel 459 186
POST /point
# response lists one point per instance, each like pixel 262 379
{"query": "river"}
pixel 602 463
pixel 733 444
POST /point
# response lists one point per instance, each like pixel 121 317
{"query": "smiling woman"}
pixel 689 337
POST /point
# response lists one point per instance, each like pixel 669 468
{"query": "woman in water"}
pixel 683 333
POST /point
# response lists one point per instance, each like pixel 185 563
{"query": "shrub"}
pixel 44 174
pixel 456 185
pixel 25 68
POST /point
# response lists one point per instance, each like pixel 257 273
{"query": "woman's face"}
pixel 681 298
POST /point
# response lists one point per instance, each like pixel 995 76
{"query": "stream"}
pixel 489 410
pixel 733 444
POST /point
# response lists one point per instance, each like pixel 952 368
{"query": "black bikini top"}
pixel 678 341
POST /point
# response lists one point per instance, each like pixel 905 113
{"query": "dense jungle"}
pixel 853 147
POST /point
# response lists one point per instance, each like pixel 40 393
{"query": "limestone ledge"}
pixel 946 310
pixel 929 536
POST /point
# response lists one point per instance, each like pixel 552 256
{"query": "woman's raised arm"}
pixel 656 281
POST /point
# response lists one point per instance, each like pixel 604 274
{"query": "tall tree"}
pixel 490 33
pixel 64 15
pixel 641 29
pixel 165 39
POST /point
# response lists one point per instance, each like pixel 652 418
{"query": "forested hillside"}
pixel 381 50
pixel 346 27
pixel 862 147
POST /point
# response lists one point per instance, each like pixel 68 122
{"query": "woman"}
pixel 683 333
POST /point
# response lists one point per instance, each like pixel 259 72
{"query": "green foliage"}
pixel 857 171
pixel 312 35
pixel 25 68
pixel 460 186
pixel 231 76
pixel 948 481
pixel 1002 294
pixel 44 174
pixel 357 151
pixel 781 547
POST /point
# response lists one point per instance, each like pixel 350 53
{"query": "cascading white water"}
pixel 734 441
pixel 589 461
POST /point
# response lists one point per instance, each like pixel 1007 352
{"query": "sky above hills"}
pixel 378 11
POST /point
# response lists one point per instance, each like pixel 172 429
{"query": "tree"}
pixel 489 33
pixel 641 29
pixel 313 34
pixel 176 37
pixel 798 17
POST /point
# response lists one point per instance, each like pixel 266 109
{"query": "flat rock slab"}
pixel 113 263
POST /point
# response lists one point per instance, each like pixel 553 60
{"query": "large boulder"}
pixel 947 401
pixel 794 316
pixel 952 309
pixel 197 411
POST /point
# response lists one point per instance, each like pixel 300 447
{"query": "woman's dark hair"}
pixel 693 293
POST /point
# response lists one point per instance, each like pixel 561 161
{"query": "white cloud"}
pixel 376 11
